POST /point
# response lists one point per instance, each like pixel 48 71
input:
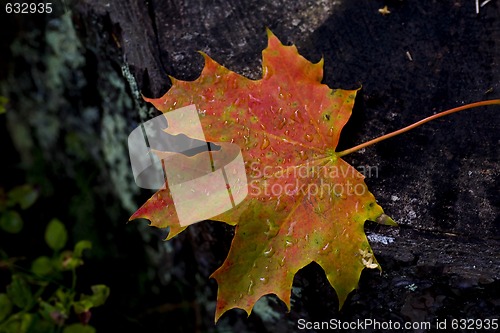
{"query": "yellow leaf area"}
pixel 305 203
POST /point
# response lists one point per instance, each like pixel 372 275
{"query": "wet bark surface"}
pixel 439 182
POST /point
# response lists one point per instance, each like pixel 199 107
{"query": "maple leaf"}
pixel 304 202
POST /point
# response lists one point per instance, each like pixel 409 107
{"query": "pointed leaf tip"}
pixel 203 54
pixel 272 40
pixel 386 220
pixel 269 33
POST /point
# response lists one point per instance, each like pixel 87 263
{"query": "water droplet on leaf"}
pixel 290 228
pixel 298 116
pixel 250 288
pixel 280 205
pixel 265 143
pixel 272 230
pixel 282 123
pixel 282 262
pixel 268 253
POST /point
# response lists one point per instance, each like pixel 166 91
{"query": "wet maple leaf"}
pixel 305 203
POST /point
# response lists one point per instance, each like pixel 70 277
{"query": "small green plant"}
pixel 37 300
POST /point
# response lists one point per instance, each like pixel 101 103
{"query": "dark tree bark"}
pixel 74 81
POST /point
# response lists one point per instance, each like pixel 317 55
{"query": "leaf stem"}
pixel 418 123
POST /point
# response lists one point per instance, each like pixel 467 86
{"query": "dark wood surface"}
pixel 439 182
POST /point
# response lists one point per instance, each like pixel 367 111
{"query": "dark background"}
pixel 74 80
